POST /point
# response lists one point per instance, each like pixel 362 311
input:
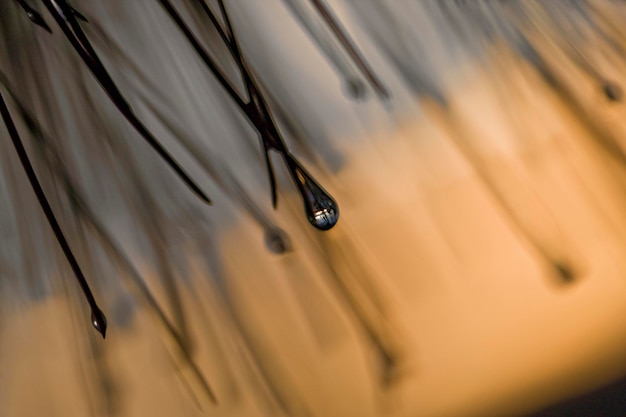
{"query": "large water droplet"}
pixel 324 218
pixel 99 321
pixel 321 209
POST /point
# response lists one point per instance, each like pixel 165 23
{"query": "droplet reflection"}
pixel 321 209
pixel 325 218
pixel 99 321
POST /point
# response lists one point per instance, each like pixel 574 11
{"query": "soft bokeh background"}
pixel 478 268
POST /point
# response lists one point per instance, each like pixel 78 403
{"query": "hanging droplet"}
pixel 321 209
pixel 277 241
pixel 325 218
pixel 612 91
pixel 99 321
pixel 38 20
pixel 34 16
pixel 565 273
pixel 355 89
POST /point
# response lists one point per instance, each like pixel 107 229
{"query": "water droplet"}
pixel 355 88
pixel 612 91
pixel 277 241
pixel 564 272
pixel 324 218
pixel 34 16
pixel 321 210
pixel 99 321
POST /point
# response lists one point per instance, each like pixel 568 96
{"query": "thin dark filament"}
pixel 256 109
pixel 175 129
pixel 230 42
pixel 350 48
pixel 33 15
pixel 178 333
pixel 229 28
pixel 368 308
pixel 81 44
pixel 45 206
pixel 117 254
pixel 206 58
pixel 230 186
pixel 218 27
pixel 80 206
pixel 249 109
pixel 271 138
pixel 260 115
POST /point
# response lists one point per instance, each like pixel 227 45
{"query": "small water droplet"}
pixel 99 321
pixel 612 91
pixel 355 88
pixel 37 19
pixel 564 272
pixel 277 241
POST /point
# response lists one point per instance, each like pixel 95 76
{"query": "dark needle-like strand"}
pixel 64 16
pixel 33 15
pixel 218 27
pixel 204 56
pixel 321 209
pixel 252 108
pixel 66 10
pixel 81 208
pixel 350 48
pixel 78 15
pixel 98 319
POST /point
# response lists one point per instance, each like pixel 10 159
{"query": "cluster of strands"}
pixel 558 39
pixel 561 41
pixel 321 209
pixel 98 318
pixel 533 30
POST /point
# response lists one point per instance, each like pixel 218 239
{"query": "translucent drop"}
pixel 321 209
pixel 355 89
pixel 612 91
pixel 564 272
pixel 325 218
pixel 99 321
pixel 35 17
pixel 277 241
